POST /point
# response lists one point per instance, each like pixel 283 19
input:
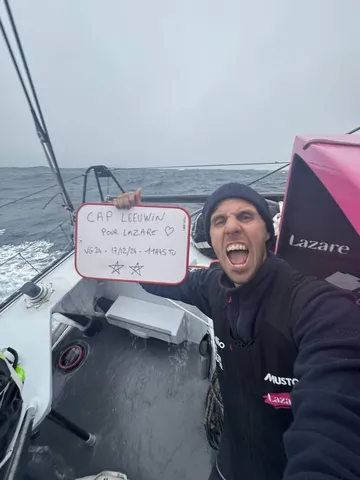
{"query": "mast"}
pixel 36 112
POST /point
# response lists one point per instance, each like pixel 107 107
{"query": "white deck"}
pixel 29 330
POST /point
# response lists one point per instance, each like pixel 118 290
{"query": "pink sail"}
pixel 320 224
pixel 337 165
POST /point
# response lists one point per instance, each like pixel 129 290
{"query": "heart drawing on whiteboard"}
pixel 169 230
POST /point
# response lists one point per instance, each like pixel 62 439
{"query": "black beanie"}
pixel 236 190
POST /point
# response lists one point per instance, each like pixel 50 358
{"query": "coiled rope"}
pixel 214 413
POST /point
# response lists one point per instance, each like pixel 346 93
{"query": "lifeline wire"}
pixel 40 124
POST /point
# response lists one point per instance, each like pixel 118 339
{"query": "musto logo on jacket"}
pixel 220 344
pixel 279 400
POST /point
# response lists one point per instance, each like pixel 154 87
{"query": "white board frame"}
pixel 79 244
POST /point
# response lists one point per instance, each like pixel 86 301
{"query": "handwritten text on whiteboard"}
pixel 144 244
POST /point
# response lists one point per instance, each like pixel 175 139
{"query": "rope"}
pixel 214 413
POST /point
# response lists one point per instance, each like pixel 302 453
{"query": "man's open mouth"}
pixel 237 254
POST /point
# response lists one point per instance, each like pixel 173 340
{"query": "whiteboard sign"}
pixel 144 244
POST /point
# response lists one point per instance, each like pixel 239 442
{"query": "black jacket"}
pixel 309 340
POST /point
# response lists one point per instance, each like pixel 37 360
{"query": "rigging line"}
pixel 32 111
pixel 37 240
pixel 38 126
pixel 50 200
pixel 201 165
pixel 288 164
pixel 353 131
pixel 191 313
pixel 268 174
pixel 41 129
pixel 22 55
pixel 3 31
pixel 27 261
pixel 35 193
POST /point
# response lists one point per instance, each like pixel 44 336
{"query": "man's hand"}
pixel 128 200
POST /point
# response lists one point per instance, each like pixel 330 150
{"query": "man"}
pixel 288 350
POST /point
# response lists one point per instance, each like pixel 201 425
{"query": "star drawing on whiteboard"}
pixel 116 267
pixel 136 269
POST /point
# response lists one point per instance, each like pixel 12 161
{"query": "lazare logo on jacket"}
pixel 280 380
pixel 278 400
pixel 317 245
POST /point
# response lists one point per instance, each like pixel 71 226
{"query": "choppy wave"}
pixel 20 263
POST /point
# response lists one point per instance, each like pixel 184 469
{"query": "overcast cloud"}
pixel 167 82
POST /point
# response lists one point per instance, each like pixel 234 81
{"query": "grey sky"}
pixel 166 82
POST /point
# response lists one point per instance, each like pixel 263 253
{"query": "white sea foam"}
pixel 17 269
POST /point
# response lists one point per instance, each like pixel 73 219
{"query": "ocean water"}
pixel 35 230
